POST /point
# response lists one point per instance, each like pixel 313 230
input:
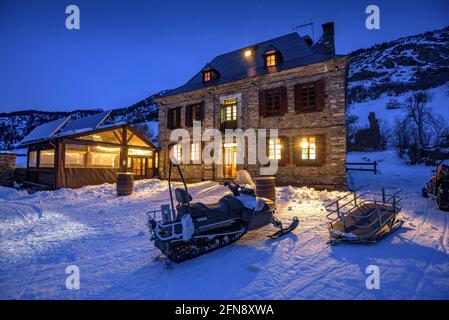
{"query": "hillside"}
pixel 418 62
pixel 378 75
pixel 15 126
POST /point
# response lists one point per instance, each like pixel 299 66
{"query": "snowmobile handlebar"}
pixel 233 186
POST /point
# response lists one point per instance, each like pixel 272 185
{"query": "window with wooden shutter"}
pixel 310 150
pixel 174 118
pixel 273 102
pixel 194 112
pixel 309 97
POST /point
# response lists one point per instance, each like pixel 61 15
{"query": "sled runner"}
pixel 189 229
pixel 364 217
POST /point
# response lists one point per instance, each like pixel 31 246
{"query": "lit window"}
pixel 207 76
pixel 230 109
pixel 32 160
pixel 103 157
pixel 140 152
pixel 156 160
pixel 248 53
pixel 176 153
pixel 75 156
pixel 195 152
pixel 270 59
pixel 308 148
pixel 274 149
pixel 47 159
pixel 82 156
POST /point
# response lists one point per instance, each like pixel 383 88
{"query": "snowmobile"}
pixel 438 186
pixel 189 229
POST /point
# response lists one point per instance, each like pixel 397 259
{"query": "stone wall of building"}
pixel 330 122
pixel 7 168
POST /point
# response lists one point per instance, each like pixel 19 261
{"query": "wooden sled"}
pixel 364 217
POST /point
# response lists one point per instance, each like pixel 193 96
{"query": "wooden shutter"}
pixel 282 100
pixel 188 119
pixel 285 151
pixel 178 117
pixel 321 149
pixel 320 95
pixel 298 102
pixel 199 112
pixel 262 103
pixel 297 151
pixel 170 119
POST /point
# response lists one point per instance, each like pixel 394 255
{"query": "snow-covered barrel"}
pixel 265 188
pixel 125 183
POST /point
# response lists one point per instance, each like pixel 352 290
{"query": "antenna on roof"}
pixel 305 25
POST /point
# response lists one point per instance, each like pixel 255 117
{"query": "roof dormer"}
pixel 209 73
pixel 272 56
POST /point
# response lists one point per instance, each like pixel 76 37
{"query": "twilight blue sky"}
pixel 127 50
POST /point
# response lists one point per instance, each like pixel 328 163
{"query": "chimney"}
pixel 328 38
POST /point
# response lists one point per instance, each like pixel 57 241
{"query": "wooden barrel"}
pixel 125 183
pixel 265 188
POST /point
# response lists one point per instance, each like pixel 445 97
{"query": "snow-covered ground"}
pixel 439 104
pixel 106 237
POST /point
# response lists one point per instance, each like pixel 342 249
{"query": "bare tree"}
pixel 421 117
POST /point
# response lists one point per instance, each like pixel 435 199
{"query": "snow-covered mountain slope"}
pixel 382 77
pixel 15 126
pixel 418 62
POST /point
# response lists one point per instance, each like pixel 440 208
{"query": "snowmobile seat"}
pixel 226 208
pixel 182 196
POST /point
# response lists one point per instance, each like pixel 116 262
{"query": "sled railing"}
pixel 165 225
pixel 345 206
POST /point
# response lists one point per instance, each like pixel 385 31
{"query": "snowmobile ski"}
pixel 283 231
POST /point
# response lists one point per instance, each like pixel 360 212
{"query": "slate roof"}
pixel 233 66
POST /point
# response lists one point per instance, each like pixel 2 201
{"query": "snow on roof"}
pixel 44 131
pixel 86 123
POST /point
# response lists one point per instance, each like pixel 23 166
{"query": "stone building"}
pixel 7 168
pixel 287 83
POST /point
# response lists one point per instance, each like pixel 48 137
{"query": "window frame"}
pixel 207 75
pixel 174 118
pixel 303 95
pixel 198 151
pixel 47 165
pixel 320 150
pixel 270 59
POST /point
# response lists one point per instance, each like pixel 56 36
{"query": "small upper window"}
pixel 270 59
pixel 207 75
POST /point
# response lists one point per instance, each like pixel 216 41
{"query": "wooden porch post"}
pixel 59 164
